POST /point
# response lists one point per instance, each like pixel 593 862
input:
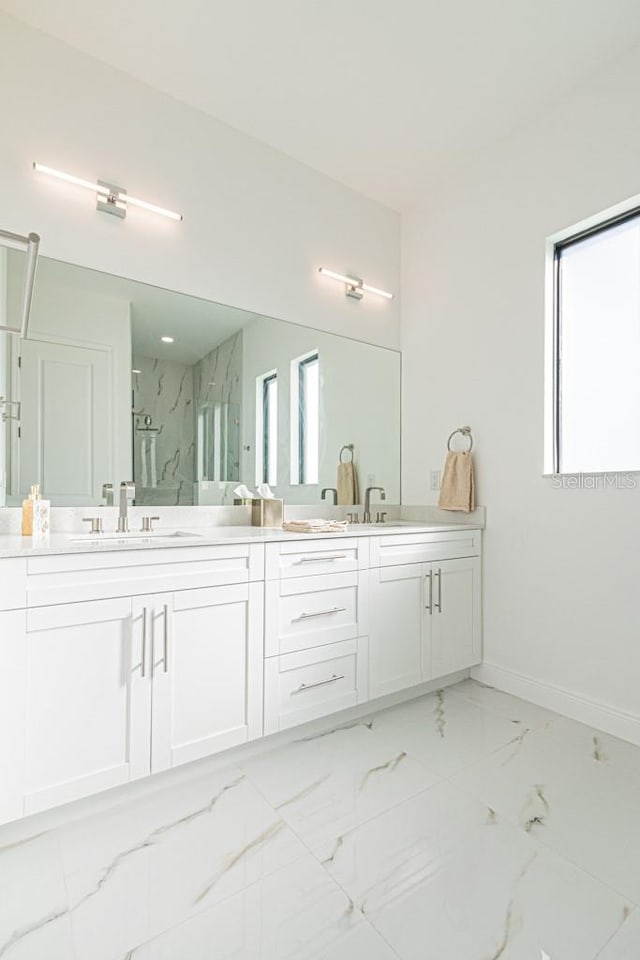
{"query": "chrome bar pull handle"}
pixel 319 613
pixel 143 662
pixel 166 638
pixel 334 556
pixel 429 606
pixel 319 683
pixel 438 604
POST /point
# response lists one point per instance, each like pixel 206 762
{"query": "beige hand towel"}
pixel 457 489
pixel 315 526
pixel 347 484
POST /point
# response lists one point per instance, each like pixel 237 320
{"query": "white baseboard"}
pixel 595 714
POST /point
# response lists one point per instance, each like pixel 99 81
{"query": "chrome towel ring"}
pixel 349 447
pixel 465 432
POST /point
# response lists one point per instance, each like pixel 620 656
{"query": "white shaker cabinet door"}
pixel 88 699
pixel 207 672
pixel 456 619
pixel 12 714
pixel 398 657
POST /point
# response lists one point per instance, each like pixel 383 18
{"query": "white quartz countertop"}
pixel 12 545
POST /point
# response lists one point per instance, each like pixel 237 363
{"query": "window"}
pixel 593 347
pixel 305 418
pixel 267 429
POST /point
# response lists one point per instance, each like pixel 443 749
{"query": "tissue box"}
pixel 267 513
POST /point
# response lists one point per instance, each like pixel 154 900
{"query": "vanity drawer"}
pixel 100 576
pixel 424 547
pixel 295 559
pixel 313 683
pixel 306 612
pixel 13 584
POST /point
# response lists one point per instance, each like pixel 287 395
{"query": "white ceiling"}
pixel 383 95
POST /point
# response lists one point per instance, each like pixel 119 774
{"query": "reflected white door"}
pixel 66 442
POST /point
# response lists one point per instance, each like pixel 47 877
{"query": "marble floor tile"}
pixel 34 910
pixel 187 852
pixel 625 944
pixel 387 857
pixel 502 894
pixel 464 825
pixel 310 755
pixel 297 913
pixel 322 803
pixel 602 746
pixel 489 698
pixel 593 744
pixel 445 732
pixel 98 839
pixel 570 799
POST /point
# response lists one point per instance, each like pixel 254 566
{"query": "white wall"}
pixel 562 566
pixel 257 224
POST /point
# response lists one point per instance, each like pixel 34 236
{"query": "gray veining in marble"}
pixel 389 766
pixel 155 836
pixel 367 724
pixel 164 454
pixel 23 932
pixel 441 719
pixel 234 858
pixel 508 920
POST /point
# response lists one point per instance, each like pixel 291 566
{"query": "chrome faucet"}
pixel 127 493
pixel 330 490
pixel 367 502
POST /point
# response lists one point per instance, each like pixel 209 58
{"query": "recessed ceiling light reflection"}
pixel 167 339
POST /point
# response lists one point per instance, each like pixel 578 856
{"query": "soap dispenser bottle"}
pixel 27 511
pixel 41 516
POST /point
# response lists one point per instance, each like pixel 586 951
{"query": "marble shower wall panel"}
pixel 217 380
pixel 164 391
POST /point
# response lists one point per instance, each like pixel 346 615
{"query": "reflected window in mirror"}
pixel 217 445
pixel 305 410
pixel 267 429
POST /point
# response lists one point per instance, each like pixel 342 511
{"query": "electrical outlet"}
pixel 435 479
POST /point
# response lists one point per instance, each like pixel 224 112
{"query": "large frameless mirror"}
pixel 120 380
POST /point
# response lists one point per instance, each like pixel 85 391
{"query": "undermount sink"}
pixel 137 536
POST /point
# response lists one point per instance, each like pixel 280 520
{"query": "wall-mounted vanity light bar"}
pixel 354 286
pixel 110 198
pixel 31 243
